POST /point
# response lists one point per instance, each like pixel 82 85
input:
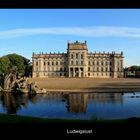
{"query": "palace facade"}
pixel 78 62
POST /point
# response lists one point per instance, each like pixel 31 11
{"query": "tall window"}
pixel 36 63
pixel 110 63
pixel 76 62
pixel 88 68
pixel 48 63
pixel 76 55
pixel 81 62
pixel 106 63
pixel 56 63
pixel 81 56
pixel 52 63
pixel 71 62
pixel 44 63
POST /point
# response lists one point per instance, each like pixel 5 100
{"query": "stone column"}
pixel 41 68
pixel 69 72
pixel 79 72
pixel 73 72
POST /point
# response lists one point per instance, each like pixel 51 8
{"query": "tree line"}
pixel 134 68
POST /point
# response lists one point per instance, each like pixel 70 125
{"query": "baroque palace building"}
pixel 78 62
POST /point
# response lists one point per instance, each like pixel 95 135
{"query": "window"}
pixel 106 63
pixel 81 56
pixel 71 62
pixel 88 68
pixel 110 69
pixel 97 69
pixel 89 63
pixel 76 55
pixel 88 74
pixel 60 63
pixel 97 63
pixel 60 69
pixel 93 62
pixel 81 62
pixel 110 63
pixel 76 62
pixel 56 63
pixel 64 68
pixel 102 69
pixel 102 63
pixel 44 63
pixel 106 69
pixel 48 63
pixel 52 63
pixel 56 74
pixel 36 63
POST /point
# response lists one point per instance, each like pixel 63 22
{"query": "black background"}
pixel 45 130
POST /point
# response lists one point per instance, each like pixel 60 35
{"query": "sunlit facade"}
pixel 78 62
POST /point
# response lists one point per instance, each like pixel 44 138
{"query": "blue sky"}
pixel 24 31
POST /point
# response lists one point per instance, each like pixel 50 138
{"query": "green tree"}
pixel 134 67
pixel 4 65
pixel 23 64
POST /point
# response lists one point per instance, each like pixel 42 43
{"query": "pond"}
pixel 72 105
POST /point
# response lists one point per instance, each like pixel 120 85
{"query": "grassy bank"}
pixel 25 119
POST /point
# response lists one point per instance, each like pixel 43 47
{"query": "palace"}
pixel 78 62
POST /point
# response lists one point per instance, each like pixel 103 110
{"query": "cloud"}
pixel 97 31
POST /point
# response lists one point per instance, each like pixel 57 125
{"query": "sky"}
pixel 24 31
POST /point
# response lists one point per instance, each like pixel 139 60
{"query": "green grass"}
pixel 25 119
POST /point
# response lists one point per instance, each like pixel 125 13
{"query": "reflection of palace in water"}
pixel 75 102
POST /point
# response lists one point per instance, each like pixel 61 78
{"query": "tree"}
pixel 134 67
pixel 4 65
pixel 23 64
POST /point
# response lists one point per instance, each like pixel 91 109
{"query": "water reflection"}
pixel 13 102
pixel 74 102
